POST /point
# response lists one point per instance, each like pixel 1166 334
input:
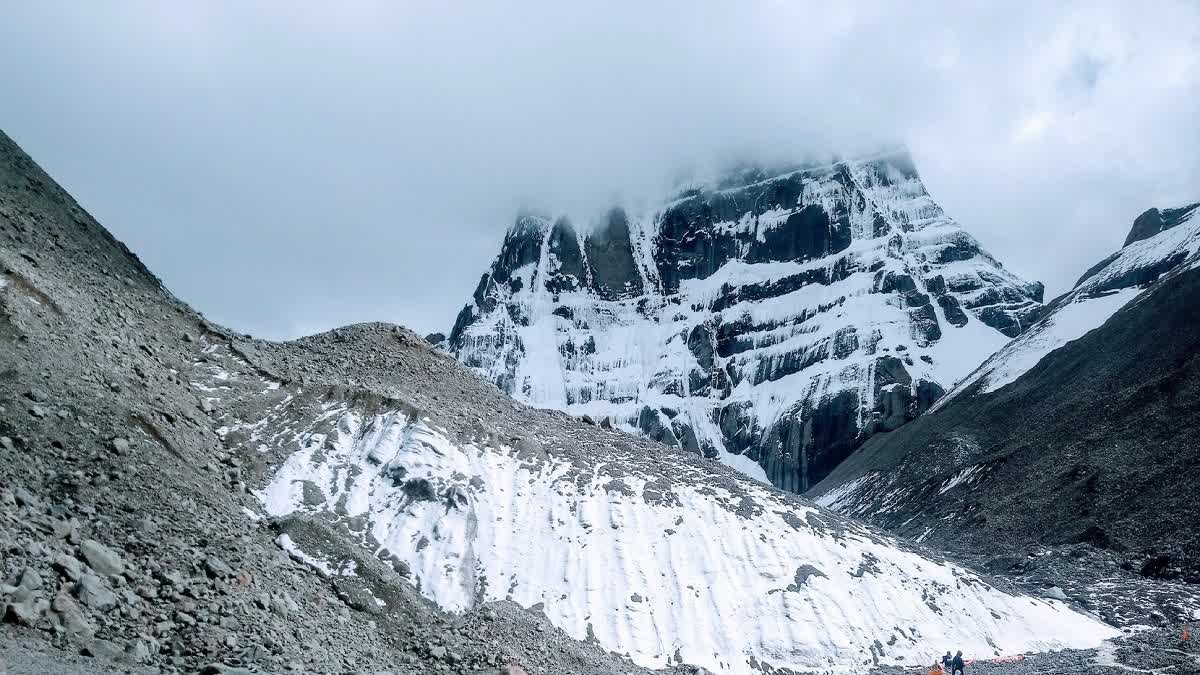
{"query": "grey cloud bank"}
pixel 289 168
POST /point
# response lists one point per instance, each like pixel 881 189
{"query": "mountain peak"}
pixel 774 317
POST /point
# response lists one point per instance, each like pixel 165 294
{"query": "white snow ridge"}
pixel 707 567
pixel 1101 293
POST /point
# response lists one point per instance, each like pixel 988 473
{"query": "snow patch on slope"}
pixel 1089 305
pixel 654 568
pixel 1074 319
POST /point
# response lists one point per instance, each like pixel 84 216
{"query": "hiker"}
pixel 956 664
pixel 946 661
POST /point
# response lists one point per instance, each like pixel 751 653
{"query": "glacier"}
pixel 664 573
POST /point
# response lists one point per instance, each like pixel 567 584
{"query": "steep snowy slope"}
pixel 1083 429
pixel 775 319
pixel 649 551
pixel 1159 242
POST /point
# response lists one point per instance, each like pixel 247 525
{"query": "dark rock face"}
pixel 610 254
pixel 570 274
pixel 1097 444
pixel 806 235
pixel 1145 226
pixel 1154 221
pixel 783 315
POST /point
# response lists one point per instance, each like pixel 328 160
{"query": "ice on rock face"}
pixel 774 322
pixel 719 571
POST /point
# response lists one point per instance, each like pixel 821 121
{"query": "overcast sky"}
pixel 290 167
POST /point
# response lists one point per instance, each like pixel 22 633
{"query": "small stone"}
pixel 120 446
pixel 68 567
pixel 137 651
pixel 25 612
pixel 70 617
pixel 62 528
pixel 103 649
pixel 1055 593
pixel 101 558
pixel 92 592
pixel 30 580
pixel 37 411
pixel 36 395
pixel 216 568
pixel 26 498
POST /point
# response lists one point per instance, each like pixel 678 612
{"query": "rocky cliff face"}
pixel 773 319
pixel 1080 431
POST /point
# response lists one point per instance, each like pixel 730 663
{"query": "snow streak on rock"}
pixel 729 575
pixel 1160 242
pixel 773 320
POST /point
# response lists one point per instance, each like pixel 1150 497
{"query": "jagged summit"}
pixel 772 320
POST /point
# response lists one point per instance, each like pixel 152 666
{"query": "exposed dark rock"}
pixel 570 272
pixel 610 255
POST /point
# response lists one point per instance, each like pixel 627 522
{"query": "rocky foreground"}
pixel 124 539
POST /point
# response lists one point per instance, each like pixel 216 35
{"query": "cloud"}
pixel 291 168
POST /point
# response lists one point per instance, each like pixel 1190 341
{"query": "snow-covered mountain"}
pixel 773 319
pixel 1081 430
